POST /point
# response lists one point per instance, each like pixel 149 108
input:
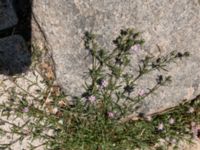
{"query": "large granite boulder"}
pixel 169 24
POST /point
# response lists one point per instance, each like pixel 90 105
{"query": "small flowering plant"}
pixel 111 84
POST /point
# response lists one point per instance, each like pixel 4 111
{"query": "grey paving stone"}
pixel 8 17
pixel 14 56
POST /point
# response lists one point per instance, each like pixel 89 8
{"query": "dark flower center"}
pixel 198 133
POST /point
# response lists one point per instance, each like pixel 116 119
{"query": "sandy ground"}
pixel 27 82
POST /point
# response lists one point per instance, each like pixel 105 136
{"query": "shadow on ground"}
pixel 15 42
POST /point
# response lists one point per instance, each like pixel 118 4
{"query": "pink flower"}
pixel 92 98
pixel 171 121
pixel 111 114
pixel 136 48
pixel 26 109
pixel 160 127
pixel 191 110
pixel 104 83
pixel 55 110
pixel 141 92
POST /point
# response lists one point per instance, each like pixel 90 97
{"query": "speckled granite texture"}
pixel 170 24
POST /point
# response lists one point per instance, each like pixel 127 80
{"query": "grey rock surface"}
pixel 8 17
pixel 14 56
pixel 170 24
